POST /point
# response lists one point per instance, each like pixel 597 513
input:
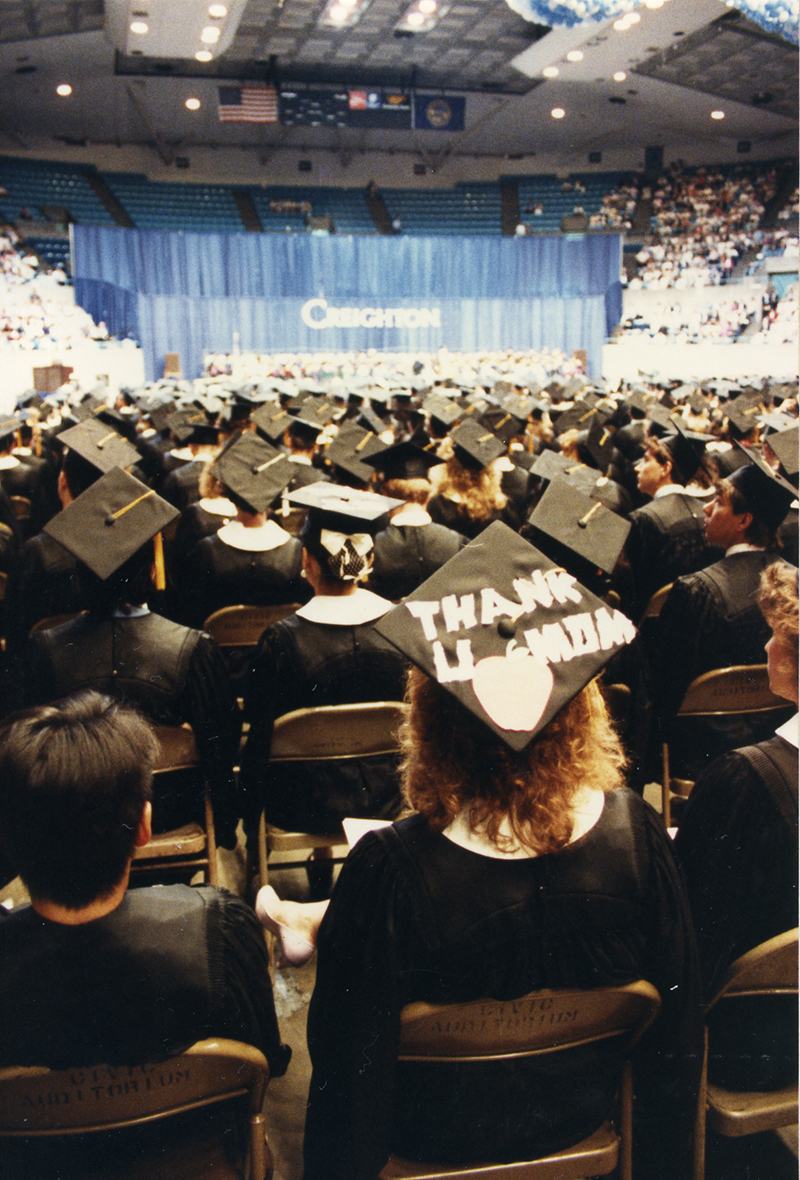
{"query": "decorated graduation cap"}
pixel 581 524
pixel 767 495
pixel 475 446
pixel 252 470
pixel 511 635
pixel 99 444
pixel 109 522
pixel 403 461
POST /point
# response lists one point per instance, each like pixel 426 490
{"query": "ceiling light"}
pixel 620 76
pixel 203 55
pixel 558 112
pixel 338 14
pixel 139 26
pixel 415 19
pixel 717 114
pixel 654 3
pixel 193 104
pixel 550 71
pixel 217 11
pixel 348 3
pixel 65 90
pixel 633 18
pixel 427 6
pixel 209 35
pixel 574 55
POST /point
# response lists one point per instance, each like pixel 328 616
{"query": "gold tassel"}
pixel 158 547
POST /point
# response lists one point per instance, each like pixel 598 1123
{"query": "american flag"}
pixel 248 104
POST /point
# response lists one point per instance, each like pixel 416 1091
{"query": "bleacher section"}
pixel 346 207
pixel 559 201
pixel 55 251
pixel 466 209
pixel 161 205
pixel 36 184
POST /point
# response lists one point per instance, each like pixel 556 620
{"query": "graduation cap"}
pixel 551 464
pixel 271 420
pixel 511 635
pixel 641 400
pixel 775 422
pixel 110 522
pixel 475 446
pixel 522 406
pixel 100 445
pixel 369 419
pixel 784 446
pixel 403 461
pixel 252 470
pixel 159 415
pixel 686 450
pixel 600 444
pixel 350 448
pixel 9 428
pixel 191 423
pixel 345 509
pixel 442 409
pixel 577 417
pixel 767 495
pixel 743 414
pixel 502 423
pixel 581 523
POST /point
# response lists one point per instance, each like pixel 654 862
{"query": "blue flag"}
pixel 432 112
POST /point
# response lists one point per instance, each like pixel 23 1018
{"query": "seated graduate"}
pixel 737 842
pixel 528 865
pixel 94 972
pixel 711 618
pixel 170 673
pixel 468 495
pixel 251 559
pixel 45 581
pixel 328 653
pixel 412 547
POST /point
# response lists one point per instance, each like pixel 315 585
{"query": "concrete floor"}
pixel 764 1157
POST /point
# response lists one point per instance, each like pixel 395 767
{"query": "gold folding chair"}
pixel 724 692
pixel 325 733
pixel 243 626
pixel 36 1102
pixel 51 621
pixel 22 507
pixel 504 1030
pixel 653 608
pixel 193 846
pixel 768 970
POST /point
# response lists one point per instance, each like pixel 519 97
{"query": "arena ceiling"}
pixel 680 61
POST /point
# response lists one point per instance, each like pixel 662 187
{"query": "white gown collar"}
pixel 414 515
pixel 347 611
pixel 260 540
pixel 790 731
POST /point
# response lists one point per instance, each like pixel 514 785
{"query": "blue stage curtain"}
pixel 192 292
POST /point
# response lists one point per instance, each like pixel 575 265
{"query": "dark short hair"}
pixel 79 473
pixel 758 531
pixel 74 779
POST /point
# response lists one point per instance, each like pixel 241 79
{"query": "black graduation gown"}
pixel 710 620
pixel 217 575
pixel 416 917
pixel 168 967
pixel 737 842
pixel 667 539
pixel 406 555
pixel 181 487
pixel 300 663
pixel 171 674
pixel 44 583
pixel 454 516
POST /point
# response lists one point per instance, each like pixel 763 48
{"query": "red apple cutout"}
pixel 513 690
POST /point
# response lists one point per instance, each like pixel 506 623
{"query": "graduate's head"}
pixel 778 600
pixel 75 787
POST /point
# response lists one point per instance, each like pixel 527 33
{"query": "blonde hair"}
pixel 209 486
pixel 413 491
pixel 478 492
pixel 452 763
pixel 778 599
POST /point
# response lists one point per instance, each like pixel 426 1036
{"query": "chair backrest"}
pixel 768 969
pixel 328 732
pixel 22 507
pixel 243 626
pixel 653 608
pixel 38 1101
pixel 54 621
pixel 542 1022
pixel 177 749
pixel 743 688
pixel 3 581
